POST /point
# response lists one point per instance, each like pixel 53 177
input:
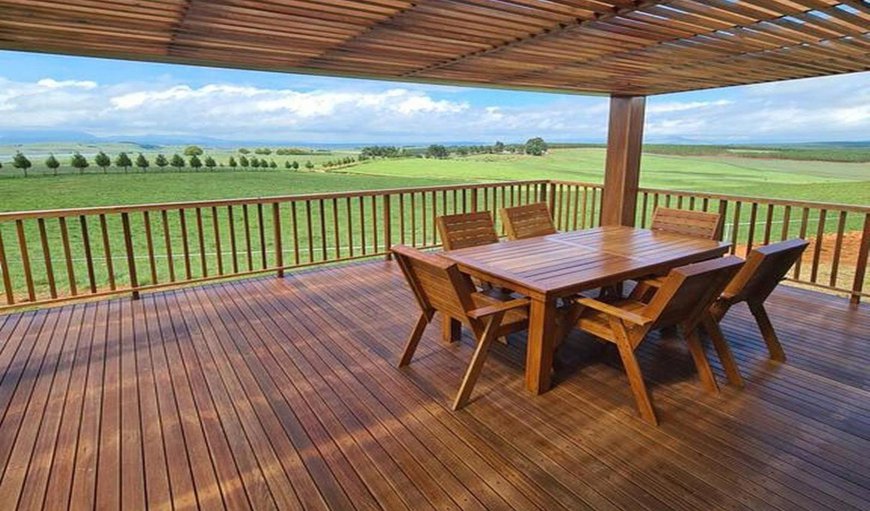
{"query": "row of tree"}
pixel 534 146
pixel 122 160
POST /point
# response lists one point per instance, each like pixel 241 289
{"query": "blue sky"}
pixel 119 98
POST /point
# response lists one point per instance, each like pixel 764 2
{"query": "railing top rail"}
pixel 576 183
pixel 100 210
pixel 857 208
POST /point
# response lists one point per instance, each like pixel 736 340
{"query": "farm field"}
pixel 838 182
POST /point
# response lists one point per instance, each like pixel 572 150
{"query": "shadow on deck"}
pixel 266 393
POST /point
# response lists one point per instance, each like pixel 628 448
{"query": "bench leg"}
pixel 767 332
pixel 414 339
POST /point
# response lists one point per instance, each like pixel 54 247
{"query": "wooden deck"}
pixel 270 393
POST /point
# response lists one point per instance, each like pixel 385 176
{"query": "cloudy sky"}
pixel 115 98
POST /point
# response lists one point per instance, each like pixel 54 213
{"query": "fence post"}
pixel 279 249
pixel 474 200
pixel 551 195
pixel 861 266
pixel 388 230
pixel 131 260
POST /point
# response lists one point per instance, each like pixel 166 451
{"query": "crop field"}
pixel 349 225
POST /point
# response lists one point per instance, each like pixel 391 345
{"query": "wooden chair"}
pixel 678 221
pixel 683 300
pixel 527 221
pixel 439 286
pixel 765 267
pixel 466 230
pixel 699 224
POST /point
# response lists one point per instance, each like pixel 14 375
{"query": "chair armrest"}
pixel 489 310
pixel 611 310
pixel 652 281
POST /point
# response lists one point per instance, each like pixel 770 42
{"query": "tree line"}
pixel 123 161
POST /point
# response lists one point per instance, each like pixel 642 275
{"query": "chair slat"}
pixel 528 221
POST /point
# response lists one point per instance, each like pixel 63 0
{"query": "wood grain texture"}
pixel 247 389
pixel 597 46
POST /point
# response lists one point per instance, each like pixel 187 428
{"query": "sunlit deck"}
pixel 267 393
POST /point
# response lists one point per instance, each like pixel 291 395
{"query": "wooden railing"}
pixel 839 234
pixel 59 255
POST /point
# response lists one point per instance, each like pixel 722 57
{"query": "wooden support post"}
pixel 622 168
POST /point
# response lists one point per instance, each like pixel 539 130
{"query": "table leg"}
pixel 539 354
pixel 451 329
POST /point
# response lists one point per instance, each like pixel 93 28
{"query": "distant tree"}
pixel 161 161
pixel 263 163
pixel 210 163
pixel 309 165
pixel 21 162
pixel 123 161
pixel 79 162
pixel 193 150
pixel 498 147
pixel 255 163
pixel 295 165
pixel 102 160
pixel 244 151
pixel 177 161
pixel 244 163
pixel 263 150
pixel 287 164
pixel 273 165
pixel 536 146
pixel 142 162
pixel 232 163
pixel 52 163
pixel 437 151
pixel 195 163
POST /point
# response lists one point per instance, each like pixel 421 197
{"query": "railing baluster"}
pixel 817 249
pixel 149 246
pixel 67 257
pixel 861 267
pixel 247 221
pixel 388 223
pixel 279 247
pixel 434 216
pixel 643 208
pixel 201 238
pixel 374 224
pixel 262 231
pixel 107 252
pixel 593 208
pixel 25 260
pixel 321 209
pixel 4 268
pixel 335 230
pixel 167 240
pixel 805 215
pixel 768 223
pixel 402 218
pixel 753 213
pixel 786 223
pixel 838 248
pixel 362 226
pixel 294 220
pixel 185 244
pixel 423 215
pixel 217 240
pixel 413 219
pixel 89 259
pixel 131 258
pixel 349 227
pixel 231 225
pixel 46 256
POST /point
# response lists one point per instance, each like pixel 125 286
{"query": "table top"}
pixel 567 263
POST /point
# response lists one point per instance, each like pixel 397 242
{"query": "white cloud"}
pixel 55 84
pixel 836 108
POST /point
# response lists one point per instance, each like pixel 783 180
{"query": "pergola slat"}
pixel 594 46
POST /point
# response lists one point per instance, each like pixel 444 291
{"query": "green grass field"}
pixel 838 182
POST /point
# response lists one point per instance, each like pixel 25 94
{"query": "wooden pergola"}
pixel 625 48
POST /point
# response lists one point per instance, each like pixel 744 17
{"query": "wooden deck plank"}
pixel 266 393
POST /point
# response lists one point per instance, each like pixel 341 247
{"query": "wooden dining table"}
pixel 556 266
